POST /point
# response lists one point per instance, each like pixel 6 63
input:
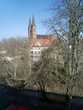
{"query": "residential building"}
pixel 37 42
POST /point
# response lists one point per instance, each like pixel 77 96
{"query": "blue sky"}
pixel 14 16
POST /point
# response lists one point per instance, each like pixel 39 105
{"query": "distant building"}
pixel 37 42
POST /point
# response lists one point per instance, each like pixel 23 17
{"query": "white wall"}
pixel 36 53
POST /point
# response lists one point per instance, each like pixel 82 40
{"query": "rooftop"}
pixel 42 41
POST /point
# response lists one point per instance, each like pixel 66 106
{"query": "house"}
pixel 37 42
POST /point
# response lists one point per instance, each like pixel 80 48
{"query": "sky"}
pixel 15 14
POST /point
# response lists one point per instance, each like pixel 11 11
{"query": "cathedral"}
pixel 37 42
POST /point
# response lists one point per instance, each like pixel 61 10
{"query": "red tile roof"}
pixel 42 41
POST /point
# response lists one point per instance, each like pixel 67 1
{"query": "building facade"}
pixel 37 42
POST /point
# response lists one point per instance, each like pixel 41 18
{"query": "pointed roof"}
pixel 33 20
pixel 29 25
pixel 29 22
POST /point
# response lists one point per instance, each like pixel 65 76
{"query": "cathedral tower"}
pixel 32 28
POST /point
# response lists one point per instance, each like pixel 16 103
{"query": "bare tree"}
pixel 67 24
pixel 6 70
pixel 48 71
pixel 15 63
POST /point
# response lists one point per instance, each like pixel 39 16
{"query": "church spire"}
pixel 32 28
pixel 29 21
pixel 29 27
pixel 33 20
